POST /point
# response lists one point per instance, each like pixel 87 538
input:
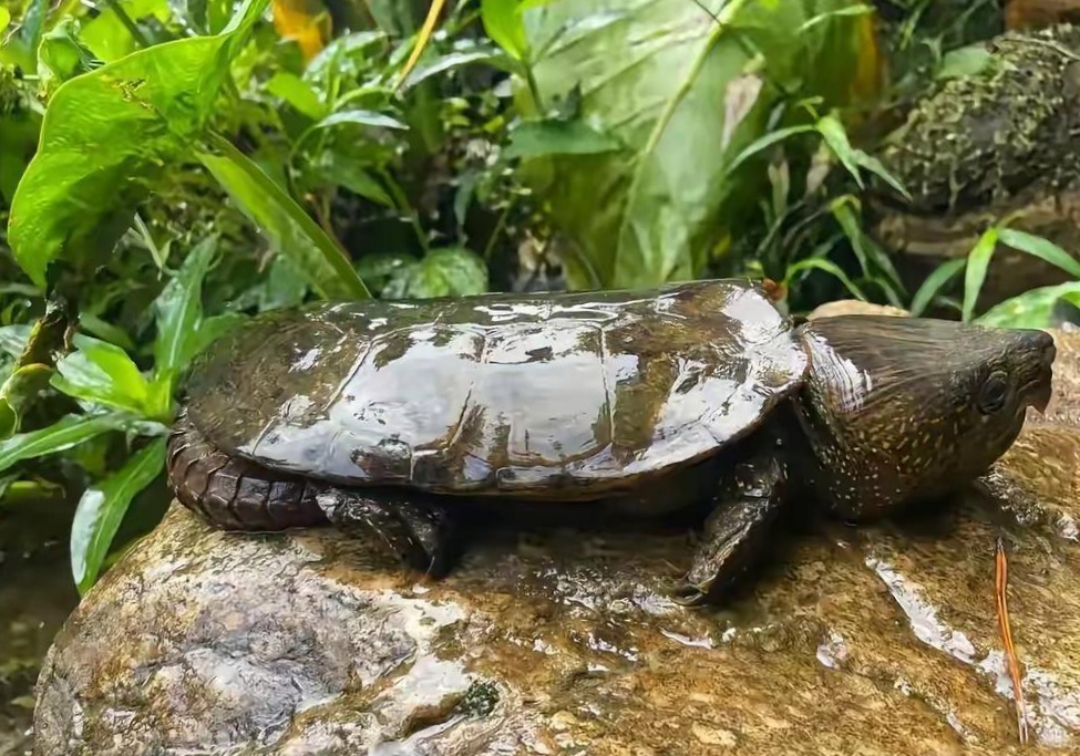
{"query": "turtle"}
pixel 392 417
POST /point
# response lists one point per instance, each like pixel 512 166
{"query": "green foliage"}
pixel 105 137
pixel 291 230
pixel 102 508
pixel 451 272
pixel 654 210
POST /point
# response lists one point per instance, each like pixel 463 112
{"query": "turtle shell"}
pixel 558 395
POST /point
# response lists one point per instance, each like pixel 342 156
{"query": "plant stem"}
pixel 401 202
pixel 499 226
pixel 135 32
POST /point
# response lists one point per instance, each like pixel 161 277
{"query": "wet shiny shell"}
pixel 562 396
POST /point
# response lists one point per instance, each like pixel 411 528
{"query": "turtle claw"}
pixel 420 535
pixel 688 594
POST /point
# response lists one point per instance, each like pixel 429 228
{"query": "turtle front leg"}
pixel 421 533
pixel 747 506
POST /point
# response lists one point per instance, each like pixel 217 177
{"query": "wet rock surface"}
pixel 871 640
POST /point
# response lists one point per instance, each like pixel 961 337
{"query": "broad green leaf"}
pixel 379 268
pixel 934 283
pixel 105 331
pixel 103 373
pixel 836 137
pixel 5 18
pixel 20 47
pixel 503 23
pixel 291 230
pixel 61 56
pixel 449 272
pixel 61 435
pixel 669 83
pixel 1032 309
pixel 978 262
pixel 102 507
pixel 17 392
pixel 13 338
pixel 178 312
pixel 109 35
pixel 298 93
pixel 557 137
pixel 965 62
pixel 1041 248
pixel 105 138
pixel 828 266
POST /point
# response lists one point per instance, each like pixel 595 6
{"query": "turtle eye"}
pixel 994 392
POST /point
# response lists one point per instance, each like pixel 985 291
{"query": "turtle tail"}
pixel 235 493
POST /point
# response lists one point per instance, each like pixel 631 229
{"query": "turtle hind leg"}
pixel 420 532
pixel 736 531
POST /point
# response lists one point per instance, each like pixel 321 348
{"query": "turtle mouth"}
pixel 1038 391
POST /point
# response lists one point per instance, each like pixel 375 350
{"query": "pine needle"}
pixel 1001 584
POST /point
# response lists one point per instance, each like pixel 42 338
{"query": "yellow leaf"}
pixel 304 22
pixel 422 39
pixel 871 67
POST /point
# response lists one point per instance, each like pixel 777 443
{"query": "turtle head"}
pixel 900 410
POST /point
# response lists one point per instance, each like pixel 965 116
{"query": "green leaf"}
pixel 450 62
pixel 557 137
pixel 105 331
pixel 103 373
pixel 62 56
pixel 875 166
pixel 102 507
pixel 851 10
pixel 20 48
pixel 178 311
pixel 965 62
pixel 934 283
pixel 290 230
pixel 448 272
pixel 13 338
pixel 685 96
pixel 341 171
pixel 5 18
pixel 818 263
pixel 978 262
pixel 836 137
pixel 362 118
pixel 17 392
pixel 1032 309
pixel 866 249
pixel 298 93
pixel 212 329
pixel 1039 247
pixel 503 23
pixel 105 138
pixel 763 143
pixel 60 436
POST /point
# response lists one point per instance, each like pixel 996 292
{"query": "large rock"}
pixel 879 640
pixel 996 145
